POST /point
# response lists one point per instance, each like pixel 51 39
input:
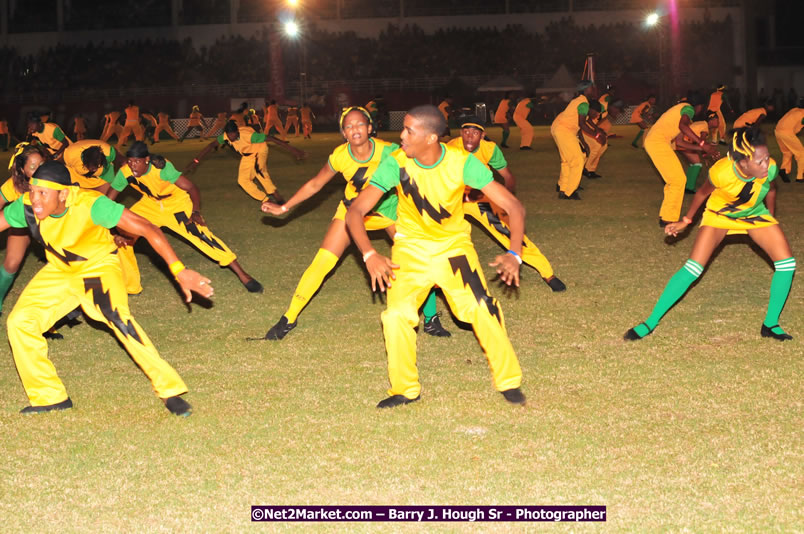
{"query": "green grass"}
pixel 697 427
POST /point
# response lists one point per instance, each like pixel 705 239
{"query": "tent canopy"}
pixel 562 81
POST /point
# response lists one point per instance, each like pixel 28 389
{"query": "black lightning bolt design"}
pixel 144 188
pixel 491 217
pixel 104 303
pixel 745 195
pixel 472 279
pixel 358 181
pixel 192 229
pixel 421 203
pixel 33 225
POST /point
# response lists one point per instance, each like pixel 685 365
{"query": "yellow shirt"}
pixel 667 127
pixel 442 107
pixel 636 115
pixel 9 191
pixel 735 196
pixel 49 136
pixel 358 173
pixel 715 101
pixel 791 122
pixel 749 117
pixel 195 118
pixel 132 115
pixel 501 115
pixel 522 110
pixel 249 143
pixel 578 107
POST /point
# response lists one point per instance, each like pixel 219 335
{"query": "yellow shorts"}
pixel 736 226
pixel 373 220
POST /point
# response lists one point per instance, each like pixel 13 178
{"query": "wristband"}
pixel 176 267
pixel 368 254
pixel 285 210
pixel 702 143
pixel 686 219
pixel 514 254
pixel 195 160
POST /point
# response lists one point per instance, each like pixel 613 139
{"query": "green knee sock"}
pixel 692 176
pixel 635 142
pixel 779 289
pixel 505 136
pixel 6 279
pixel 675 289
pixel 429 308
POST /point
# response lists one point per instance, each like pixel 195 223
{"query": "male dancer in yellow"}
pixel 786 131
pixel 658 145
pixel 598 144
pixel 132 126
pixel 565 130
pixel 292 120
pixel 48 134
pixel 196 123
pixel 169 200
pixel 307 117
pixel 689 150
pixel 521 119
pixel 253 150
pixel 433 247
pixel 716 102
pixel 271 114
pixel 639 117
pixel 220 122
pixel 501 117
pixel 754 116
pixel 479 208
pixel 164 125
pixel 79 127
pixel 111 126
pixel 355 160
pixel 83 269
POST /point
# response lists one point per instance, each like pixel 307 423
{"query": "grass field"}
pixel 696 428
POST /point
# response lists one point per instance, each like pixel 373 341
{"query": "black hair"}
pixel 93 157
pixel 431 117
pixel 53 171
pixel 35 117
pixel 138 149
pixel 18 177
pixel 230 127
pixel 595 105
pixel 744 142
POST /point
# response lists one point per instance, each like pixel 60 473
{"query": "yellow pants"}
pixel 98 289
pixel 495 221
pixel 128 129
pixel 791 146
pixel 174 215
pixel 596 150
pixel 525 131
pixel 668 165
pixel 454 267
pixel 253 167
pixel 307 128
pixel 217 125
pixel 720 133
pixel 276 123
pixel 292 121
pixel 572 159
pixel 114 129
pixel 159 129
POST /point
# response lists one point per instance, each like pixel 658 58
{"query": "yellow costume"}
pixel 271 114
pixel 80 174
pixel 79 128
pixel 82 269
pixel 492 217
pixel 433 247
pixel 164 125
pixel 51 137
pixel 307 121
pixel 293 120
pixel 132 126
pixel 251 146
pixel 501 115
pixel 787 130
pixel 112 127
pixel 715 103
pixel 749 117
pixel 521 113
pixel 220 122
pixel 659 148
pixel 565 133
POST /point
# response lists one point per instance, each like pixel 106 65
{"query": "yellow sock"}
pixel 311 280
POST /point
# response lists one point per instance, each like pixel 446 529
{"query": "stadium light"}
pixel 291 28
pixel 652 19
pixel 293 3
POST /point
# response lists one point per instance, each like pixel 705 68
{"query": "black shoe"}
pixel 593 175
pixel 722 142
pixel 525 148
pixel 63 405
pixel 555 284
pixel 276 198
pixel 433 327
pixel 634 145
pixel 396 400
pixel 52 334
pixel 631 334
pixel 280 329
pixel 502 145
pixel 768 332
pixel 800 181
pixel 783 175
pixel 253 286
pixel 514 396
pixel 558 188
pixel 585 173
pixel 573 196
pixel 663 223
pixel 178 406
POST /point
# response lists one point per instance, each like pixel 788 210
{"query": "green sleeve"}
pixel 106 212
pixel 497 160
pixel 386 177
pixel 475 174
pixel 119 183
pixel 773 170
pixel 257 137
pixel 15 214
pixel 112 155
pixel 583 109
pixel 108 174
pixel 529 105
pixel 221 140
pixel 387 150
pixel 58 134
pixel 689 111
pixel 170 173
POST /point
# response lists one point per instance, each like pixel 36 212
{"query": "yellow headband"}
pixel 17 151
pixel 48 184
pixel 473 125
pixel 746 150
pixel 348 110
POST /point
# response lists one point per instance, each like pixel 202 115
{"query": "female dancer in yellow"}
pixel 741 194
pixel 356 160
pixel 716 102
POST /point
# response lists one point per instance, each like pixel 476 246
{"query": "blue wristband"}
pixel 514 254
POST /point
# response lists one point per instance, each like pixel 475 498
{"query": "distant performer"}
pixel 292 121
pixel 501 117
pixel 79 127
pixel 307 117
pixel 272 120
pixel 163 125
pixel 196 122
pixel 716 102
pixel 787 130
pixel 639 118
pixel 521 119
pixel 48 134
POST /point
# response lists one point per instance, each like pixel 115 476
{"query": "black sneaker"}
pixel 514 396
pixel 276 198
pixel 63 405
pixel 767 331
pixel 52 334
pixel 253 286
pixel 593 175
pixel 433 327
pixel 573 196
pixel 178 406
pixel 525 148
pixel 396 400
pixel 631 334
pixel 502 145
pixel 555 284
pixel 663 223
pixel 280 329
pixel 783 175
